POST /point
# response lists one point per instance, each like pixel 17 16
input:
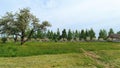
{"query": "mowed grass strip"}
pixel 71 60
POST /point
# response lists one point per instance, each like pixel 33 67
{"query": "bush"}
pixel 4 39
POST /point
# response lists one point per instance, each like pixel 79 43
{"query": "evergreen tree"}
pixel 86 34
pixel 73 35
pixel 58 34
pixel 39 34
pixel 91 34
pixel 82 36
pixel 79 36
pixel 51 34
pixel 102 34
pixel 69 35
pixel 76 34
pixel 111 31
pixel 44 34
pixel 64 34
pixel 48 34
pixel 54 37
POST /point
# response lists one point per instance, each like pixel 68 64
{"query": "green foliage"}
pixel 55 37
pixel 92 34
pixel 51 35
pixel 76 34
pixel 64 33
pixel 69 35
pixel 4 39
pixel 82 35
pixel 39 34
pixel 110 31
pixel 118 32
pixel 86 33
pixel 19 23
pixel 58 34
pixel 102 34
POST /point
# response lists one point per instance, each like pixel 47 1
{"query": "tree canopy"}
pixel 17 24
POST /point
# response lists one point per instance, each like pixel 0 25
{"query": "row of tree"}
pixel 65 35
pixel 72 35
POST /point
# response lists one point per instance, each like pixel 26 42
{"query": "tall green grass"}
pixel 11 49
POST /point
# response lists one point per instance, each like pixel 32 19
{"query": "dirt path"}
pixel 96 58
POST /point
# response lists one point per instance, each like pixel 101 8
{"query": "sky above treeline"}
pixel 71 14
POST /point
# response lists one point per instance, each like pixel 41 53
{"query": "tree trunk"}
pixel 22 38
pixel 15 38
pixel 29 36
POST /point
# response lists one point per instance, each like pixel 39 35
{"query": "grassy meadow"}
pixel 60 55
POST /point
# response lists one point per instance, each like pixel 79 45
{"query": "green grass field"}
pixel 60 55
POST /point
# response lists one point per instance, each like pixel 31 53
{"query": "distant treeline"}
pixel 69 35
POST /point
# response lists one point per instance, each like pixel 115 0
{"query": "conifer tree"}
pixel 110 31
pixel 69 35
pixel 58 34
pixel 64 34
pixel 102 34
pixel 82 35
pixel 76 34
pixel 92 34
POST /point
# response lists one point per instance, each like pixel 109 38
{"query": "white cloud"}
pixel 74 14
pixel 88 13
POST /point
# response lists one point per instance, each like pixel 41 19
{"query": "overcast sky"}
pixel 71 14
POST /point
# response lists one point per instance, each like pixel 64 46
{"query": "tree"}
pixel 4 39
pixel 7 24
pixel 54 37
pixel 79 35
pixel 76 34
pixel 48 34
pixel 86 34
pixel 102 34
pixel 82 35
pixel 58 34
pixel 111 31
pixel 51 35
pixel 64 34
pixel 69 35
pixel 40 34
pixel 118 32
pixel 20 22
pixel 73 34
pixel 91 34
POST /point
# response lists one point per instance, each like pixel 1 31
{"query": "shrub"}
pixel 4 39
